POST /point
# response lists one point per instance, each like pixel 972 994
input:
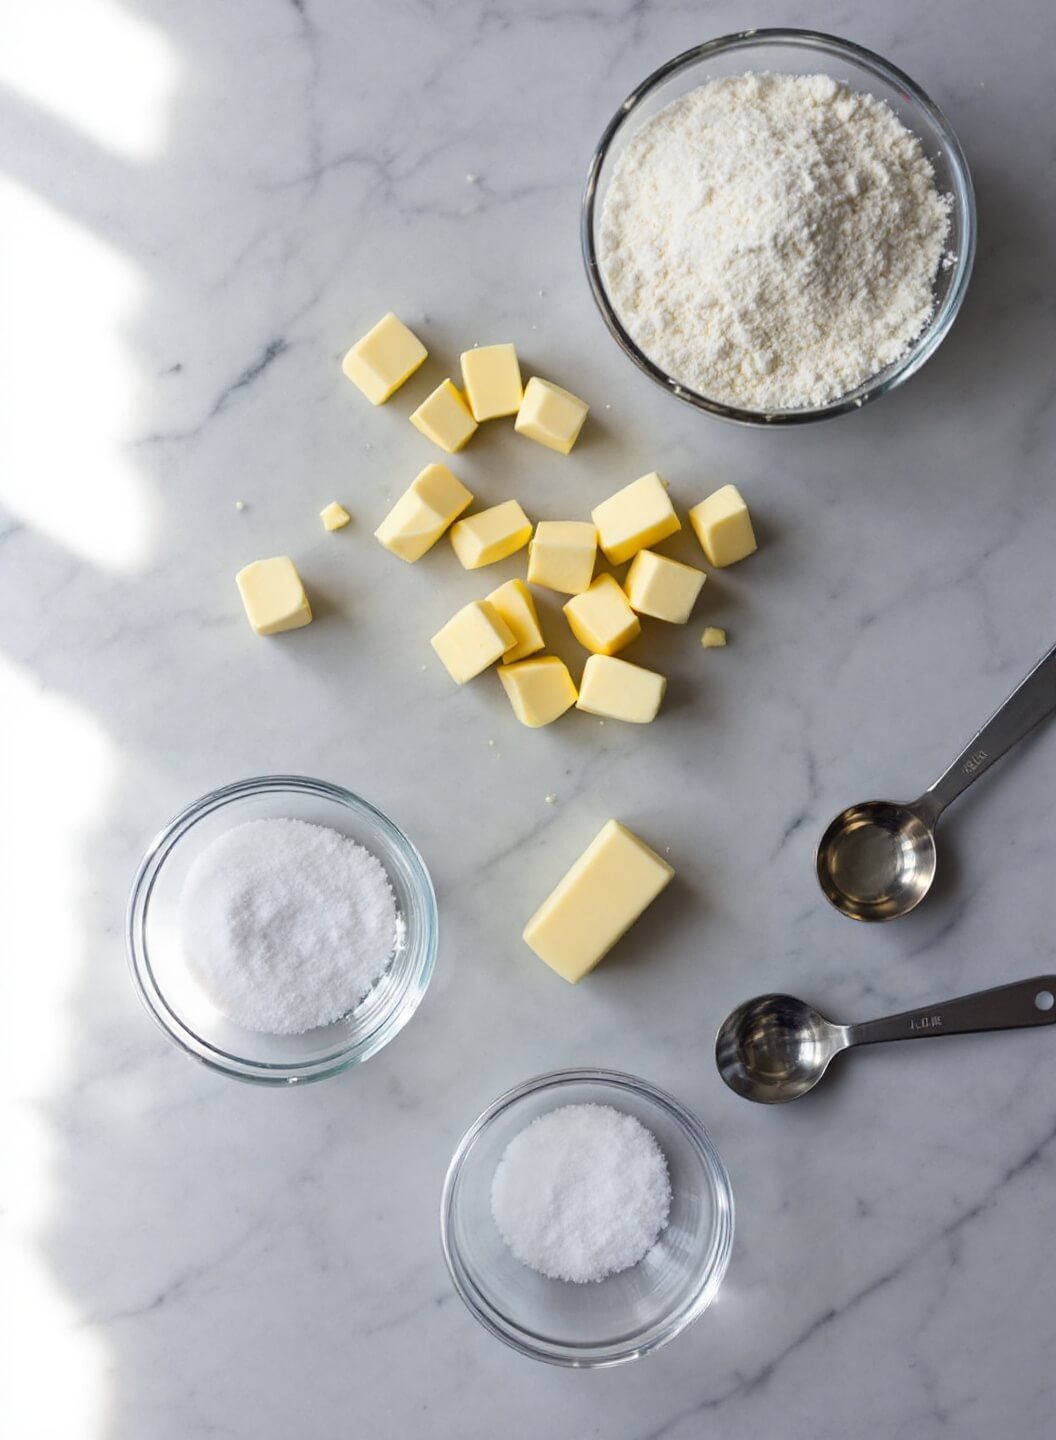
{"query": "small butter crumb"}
pixel 334 516
pixel 240 505
pixel 713 638
pixel 551 799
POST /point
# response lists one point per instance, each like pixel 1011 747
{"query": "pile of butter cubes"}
pixel 502 627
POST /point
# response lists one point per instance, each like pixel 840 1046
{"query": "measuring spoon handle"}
pixel 1008 1007
pixel 1029 704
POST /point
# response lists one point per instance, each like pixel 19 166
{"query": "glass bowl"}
pixel 176 1002
pixel 627 1315
pixel 795 52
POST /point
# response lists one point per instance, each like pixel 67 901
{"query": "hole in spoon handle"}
pixel 1007 1007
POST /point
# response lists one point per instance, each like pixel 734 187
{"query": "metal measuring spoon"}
pixel 775 1048
pixel 876 861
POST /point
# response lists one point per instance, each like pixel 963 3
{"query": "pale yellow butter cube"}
pixel 491 535
pixel 514 603
pixel 550 415
pixel 665 589
pixel 384 358
pixel 443 417
pixel 600 898
pixel 723 527
pixel 618 690
pixel 714 637
pixel 472 640
pixel 562 555
pixel 601 618
pixel 334 516
pixel 639 515
pixel 273 595
pixel 491 378
pixel 434 499
pixel 539 689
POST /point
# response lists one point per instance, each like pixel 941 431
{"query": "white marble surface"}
pixel 200 206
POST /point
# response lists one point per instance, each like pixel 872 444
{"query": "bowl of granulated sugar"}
pixel 586 1218
pixel 779 227
pixel 281 929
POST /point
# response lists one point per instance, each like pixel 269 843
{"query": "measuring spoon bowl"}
pixel 876 860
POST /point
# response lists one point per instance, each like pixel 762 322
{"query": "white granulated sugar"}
pixel 286 925
pixel 581 1193
pixel 772 241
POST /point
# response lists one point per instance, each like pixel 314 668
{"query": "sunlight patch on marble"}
pixel 70 384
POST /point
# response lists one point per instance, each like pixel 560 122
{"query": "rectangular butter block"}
pixel 491 378
pixel 618 690
pixel 539 689
pixel 472 640
pixel 550 415
pixel 384 358
pixel 334 516
pixel 723 527
pixel 562 555
pixel 639 515
pixel 663 588
pixel 514 603
pixel 443 417
pixel 601 617
pixel 433 500
pixel 273 595
pixel 597 902
pixel 714 637
pixel 491 535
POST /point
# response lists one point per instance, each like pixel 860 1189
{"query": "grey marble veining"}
pixel 195 222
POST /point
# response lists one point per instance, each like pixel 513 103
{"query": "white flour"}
pixel 772 240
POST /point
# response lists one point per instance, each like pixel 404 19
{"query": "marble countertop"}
pixel 200 207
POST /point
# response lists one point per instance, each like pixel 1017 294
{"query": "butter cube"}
pixel 514 603
pixel 723 527
pixel 334 516
pixel 618 690
pixel 612 882
pixel 539 689
pixel 639 515
pixel 472 640
pixel 273 595
pixel 665 589
pixel 491 377
pixel 714 637
pixel 491 535
pixel 384 358
pixel 601 618
pixel 423 512
pixel 562 554
pixel 443 417
pixel 550 415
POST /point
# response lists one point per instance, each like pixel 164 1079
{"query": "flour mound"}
pixel 772 241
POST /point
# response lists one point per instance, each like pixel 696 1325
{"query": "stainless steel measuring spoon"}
pixel 775 1048
pixel 876 860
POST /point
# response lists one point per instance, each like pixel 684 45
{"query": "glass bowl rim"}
pixel 152 995
pixel 602 1356
pixel 938 325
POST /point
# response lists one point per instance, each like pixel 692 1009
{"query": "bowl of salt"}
pixel 281 929
pixel 586 1218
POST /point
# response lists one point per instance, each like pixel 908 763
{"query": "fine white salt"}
pixel 581 1193
pixel 286 925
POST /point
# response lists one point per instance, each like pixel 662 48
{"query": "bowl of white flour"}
pixel 281 929
pixel 779 227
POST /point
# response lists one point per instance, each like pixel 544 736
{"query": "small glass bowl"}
pixel 177 1003
pixel 794 52
pixel 613 1320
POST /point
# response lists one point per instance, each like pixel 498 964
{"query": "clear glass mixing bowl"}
pixel 177 1003
pixel 794 52
pixel 626 1315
